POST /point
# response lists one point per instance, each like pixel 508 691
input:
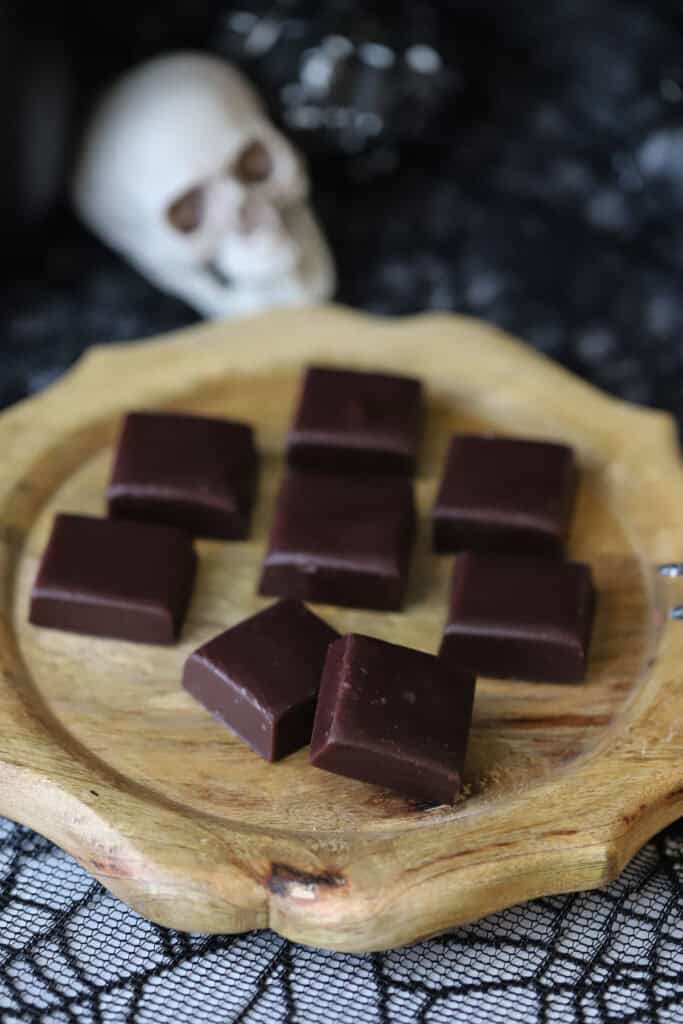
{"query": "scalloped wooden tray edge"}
pixel 186 870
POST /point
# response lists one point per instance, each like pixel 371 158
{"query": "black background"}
pixel 546 196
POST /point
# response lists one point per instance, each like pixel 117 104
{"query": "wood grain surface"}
pixel 102 750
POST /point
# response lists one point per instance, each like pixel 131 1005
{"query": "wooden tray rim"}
pixel 338 891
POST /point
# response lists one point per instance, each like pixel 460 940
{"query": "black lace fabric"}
pixel 71 952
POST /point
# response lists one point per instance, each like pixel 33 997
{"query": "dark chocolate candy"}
pixel 341 540
pixel 505 494
pixel 393 716
pixel 261 677
pixel 520 618
pixel 131 581
pixel 188 471
pixel 349 420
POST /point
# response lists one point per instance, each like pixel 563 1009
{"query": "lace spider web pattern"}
pixel 71 952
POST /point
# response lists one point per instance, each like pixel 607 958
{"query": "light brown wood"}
pixel 102 751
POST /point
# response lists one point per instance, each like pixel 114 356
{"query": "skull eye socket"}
pixel 185 212
pixel 253 164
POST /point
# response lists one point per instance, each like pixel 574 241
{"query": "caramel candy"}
pixel 261 677
pixel 188 471
pixel 520 618
pixel 341 540
pixel 349 420
pixel 104 577
pixel 393 716
pixel 505 494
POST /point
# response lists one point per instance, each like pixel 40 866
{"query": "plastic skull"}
pixel 182 172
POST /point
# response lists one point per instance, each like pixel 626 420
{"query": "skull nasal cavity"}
pixel 185 213
pixel 253 164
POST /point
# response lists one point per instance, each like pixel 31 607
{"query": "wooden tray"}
pixel 102 751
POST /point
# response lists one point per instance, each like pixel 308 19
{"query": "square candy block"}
pixel 130 581
pixel 393 716
pixel 188 471
pixel 505 494
pixel 341 540
pixel 520 618
pixel 261 677
pixel 350 420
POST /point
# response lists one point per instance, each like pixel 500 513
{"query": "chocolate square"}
pixel 341 540
pixel 505 494
pixel 130 581
pixel 393 716
pixel 351 420
pixel 520 618
pixel 189 471
pixel 261 677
